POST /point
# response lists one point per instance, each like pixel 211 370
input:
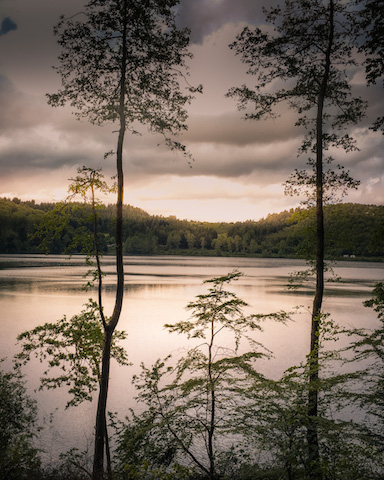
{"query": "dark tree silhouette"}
pixel 305 59
pixel 121 61
pixel 371 27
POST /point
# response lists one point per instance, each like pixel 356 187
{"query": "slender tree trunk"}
pixel 97 256
pixel 101 424
pixel 313 390
pixel 100 434
pixel 108 451
pixel 212 401
pixel 100 288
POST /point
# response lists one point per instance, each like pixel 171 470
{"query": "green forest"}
pixel 353 231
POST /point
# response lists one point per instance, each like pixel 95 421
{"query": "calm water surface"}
pixel 35 289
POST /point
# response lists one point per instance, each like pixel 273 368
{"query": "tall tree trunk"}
pixel 313 388
pixel 109 328
pixel 212 408
pixel 97 256
pixel 100 434
pixel 101 311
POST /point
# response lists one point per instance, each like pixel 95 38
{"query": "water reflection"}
pixel 35 289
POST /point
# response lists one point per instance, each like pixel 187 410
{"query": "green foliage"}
pixel 372 18
pixel 309 54
pixel 336 184
pixel 72 465
pixel 377 301
pixel 72 351
pixel 194 400
pixel 146 452
pixel 221 309
pixel 59 229
pixel 17 221
pixel 71 227
pixel 368 347
pixel 274 419
pixel 18 457
pixel 371 31
pixel 352 229
pixel 125 59
pixel 146 472
pixel 213 412
pixel 87 182
pixel 295 53
pixel 303 61
pixel 121 61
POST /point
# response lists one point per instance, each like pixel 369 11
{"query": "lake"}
pixel 35 289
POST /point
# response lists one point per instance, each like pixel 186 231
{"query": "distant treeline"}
pixel 352 230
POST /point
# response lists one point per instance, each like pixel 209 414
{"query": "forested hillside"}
pixel 352 230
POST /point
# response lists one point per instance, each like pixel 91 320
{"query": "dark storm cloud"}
pixel 40 157
pixel 7 25
pixel 205 16
pixel 20 110
pixel 19 159
pixel 215 160
pixel 33 136
pixel 232 129
pixel 368 161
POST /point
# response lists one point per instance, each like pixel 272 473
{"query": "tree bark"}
pixel 313 387
pixel 101 423
pixel 212 400
pixel 100 434
pixel 97 256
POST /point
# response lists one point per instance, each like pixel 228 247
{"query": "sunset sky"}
pixel 239 166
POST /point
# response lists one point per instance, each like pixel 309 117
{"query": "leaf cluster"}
pixel 196 397
pixel 371 24
pixel 335 184
pixel 310 41
pixel 295 55
pixel 18 456
pixel 219 310
pixel 87 182
pixel 125 49
pixel 71 349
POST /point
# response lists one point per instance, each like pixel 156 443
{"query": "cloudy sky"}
pixel 238 167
